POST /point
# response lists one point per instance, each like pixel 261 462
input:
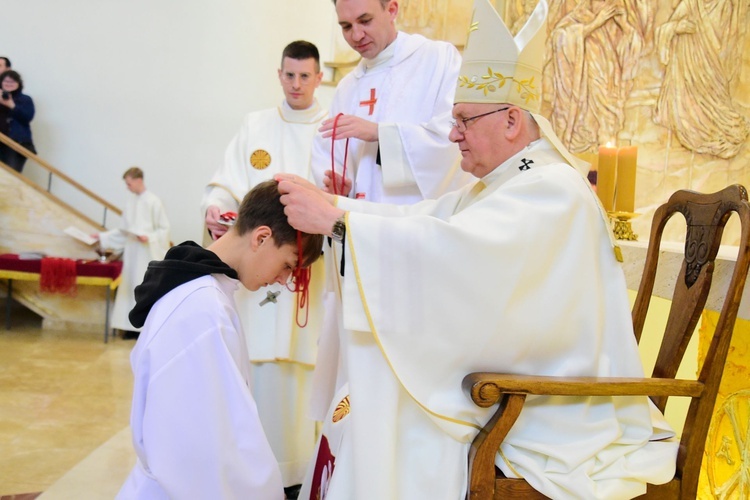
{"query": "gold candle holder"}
pixel 621 225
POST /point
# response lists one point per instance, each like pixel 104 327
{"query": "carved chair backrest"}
pixel 706 216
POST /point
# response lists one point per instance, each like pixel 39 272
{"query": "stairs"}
pixel 31 219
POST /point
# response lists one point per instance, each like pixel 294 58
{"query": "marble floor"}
pixel 62 395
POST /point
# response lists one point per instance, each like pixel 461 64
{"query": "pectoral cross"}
pixel 270 297
pixel 526 164
pixel 371 102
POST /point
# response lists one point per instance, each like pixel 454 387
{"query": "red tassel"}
pixel 58 276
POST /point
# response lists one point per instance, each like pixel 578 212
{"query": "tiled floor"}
pixel 62 394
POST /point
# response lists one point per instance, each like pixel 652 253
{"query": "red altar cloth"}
pixel 11 262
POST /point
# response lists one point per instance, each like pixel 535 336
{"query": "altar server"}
pixel 143 237
pixel 196 428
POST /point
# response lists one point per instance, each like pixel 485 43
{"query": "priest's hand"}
pixel 350 126
pixel 308 209
pixel 212 222
pixel 342 187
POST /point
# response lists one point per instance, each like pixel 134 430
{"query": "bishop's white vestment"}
pixel 271 141
pixel 195 425
pixel 144 215
pixel 515 274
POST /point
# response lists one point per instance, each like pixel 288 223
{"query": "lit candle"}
pixel 627 158
pixel 606 176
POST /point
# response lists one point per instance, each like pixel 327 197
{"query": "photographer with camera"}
pixel 16 113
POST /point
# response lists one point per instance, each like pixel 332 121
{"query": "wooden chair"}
pixel 706 216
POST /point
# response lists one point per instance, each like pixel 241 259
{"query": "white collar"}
pixel 309 115
pixel 385 55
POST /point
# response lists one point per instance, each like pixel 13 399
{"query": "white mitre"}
pixel 498 68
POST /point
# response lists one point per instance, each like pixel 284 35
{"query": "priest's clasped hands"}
pixel 308 208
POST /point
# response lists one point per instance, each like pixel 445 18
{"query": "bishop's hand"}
pixel 307 208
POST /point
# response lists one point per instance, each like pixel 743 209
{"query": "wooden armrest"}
pixel 486 389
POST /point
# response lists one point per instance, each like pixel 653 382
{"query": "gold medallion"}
pixel 260 159
pixel 342 410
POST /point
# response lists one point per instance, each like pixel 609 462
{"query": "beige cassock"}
pixel 515 274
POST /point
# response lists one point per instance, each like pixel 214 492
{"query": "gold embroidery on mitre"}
pixel 494 81
pixel 497 67
pixel 260 159
pixel 342 410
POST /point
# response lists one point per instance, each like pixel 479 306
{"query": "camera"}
pixel 6 95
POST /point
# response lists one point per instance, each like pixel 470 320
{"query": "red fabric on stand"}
pixel 11 262
pixel 58 275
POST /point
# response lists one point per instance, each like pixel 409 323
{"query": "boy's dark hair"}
pixel 7 61
pixel 133 173
pixel 300 50
pixel 262 207
pixel 14 75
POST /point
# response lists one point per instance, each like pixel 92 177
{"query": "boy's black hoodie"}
pixel 184 262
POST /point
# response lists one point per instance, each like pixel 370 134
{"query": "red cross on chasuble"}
pixel 370 103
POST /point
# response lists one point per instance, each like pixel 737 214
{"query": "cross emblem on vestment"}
pixel 371 102
pixel 526 164
pixel 270 297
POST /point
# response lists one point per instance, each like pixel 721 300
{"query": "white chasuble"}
pixel 144 216
pixel 272 141
pixel 408 91
pixel 517 277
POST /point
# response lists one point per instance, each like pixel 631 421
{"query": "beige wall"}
pixel 160 84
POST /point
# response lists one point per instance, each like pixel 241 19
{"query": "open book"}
pixel 80 235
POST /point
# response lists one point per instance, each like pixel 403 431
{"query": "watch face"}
pixel 338 231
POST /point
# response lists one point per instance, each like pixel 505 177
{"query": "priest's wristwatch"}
pixel 338 231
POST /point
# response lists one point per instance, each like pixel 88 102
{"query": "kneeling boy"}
pixel 195 426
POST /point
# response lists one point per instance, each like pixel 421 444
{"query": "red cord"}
pixel 301 284
pixel 333 163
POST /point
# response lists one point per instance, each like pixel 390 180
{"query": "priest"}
pixel 386 139
pixel 392 135
pixel 516 273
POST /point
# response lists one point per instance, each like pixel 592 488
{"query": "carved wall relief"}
pixel 700 46
pixel 596 49
pixel 672 77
